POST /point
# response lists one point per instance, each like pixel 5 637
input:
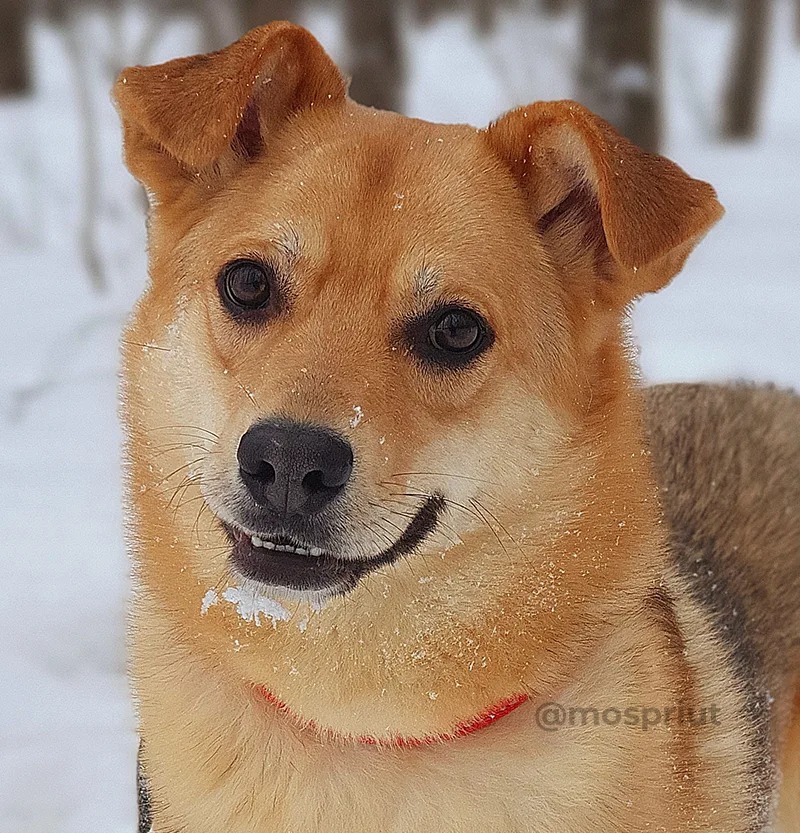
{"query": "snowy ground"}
pixel 67 739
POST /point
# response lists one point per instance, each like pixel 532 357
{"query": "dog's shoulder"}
pixel 727 462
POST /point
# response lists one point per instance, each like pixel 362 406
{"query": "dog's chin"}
pixel 299 569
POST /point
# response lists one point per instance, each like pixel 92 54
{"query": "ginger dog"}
pixel 401 560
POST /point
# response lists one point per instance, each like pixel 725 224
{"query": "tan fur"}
pixel 550 574
pixel 728 461
pixel 789 807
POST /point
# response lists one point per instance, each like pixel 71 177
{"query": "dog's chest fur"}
pixel 259 772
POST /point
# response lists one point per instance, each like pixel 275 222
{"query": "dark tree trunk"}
pixel 15 73
pixel 554 7
pixel 483 12
pixel 426 11
pixel 376 55
pixel 797 21
pixel 746 80
pixel 619 74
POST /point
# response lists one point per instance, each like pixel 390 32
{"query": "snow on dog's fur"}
pixel 543 573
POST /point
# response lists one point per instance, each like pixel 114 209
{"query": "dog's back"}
pixel 727 459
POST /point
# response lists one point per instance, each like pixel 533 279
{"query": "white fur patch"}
pixel 209 600
pixel 358 415
pixel 252 605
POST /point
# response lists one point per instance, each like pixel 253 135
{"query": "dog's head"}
pixel 381 433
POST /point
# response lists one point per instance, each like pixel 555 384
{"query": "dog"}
pixel 414 550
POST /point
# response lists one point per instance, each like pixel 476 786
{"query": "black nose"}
pixel 294 468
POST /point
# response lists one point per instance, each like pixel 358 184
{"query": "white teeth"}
pixel 262 543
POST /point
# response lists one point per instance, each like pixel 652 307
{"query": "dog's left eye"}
pixel 245 285
pixel 456 331
pixel 450 336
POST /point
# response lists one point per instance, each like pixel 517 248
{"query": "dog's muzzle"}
pixel 296 474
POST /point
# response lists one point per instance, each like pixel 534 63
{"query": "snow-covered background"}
pixel 67 737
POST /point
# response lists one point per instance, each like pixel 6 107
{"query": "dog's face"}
pixel 374 376
pixel 366 350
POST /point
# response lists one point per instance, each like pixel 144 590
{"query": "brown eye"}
pixel 450 336
pixel 456 331
pixel 245 285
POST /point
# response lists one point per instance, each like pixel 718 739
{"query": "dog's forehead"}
pixel 379 148
pixel 369 187
pixel 384 170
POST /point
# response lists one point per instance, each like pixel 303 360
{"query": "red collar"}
pixel 467 727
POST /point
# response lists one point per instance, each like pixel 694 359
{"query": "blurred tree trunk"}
pixel 746 80
pixel 258 12
pixel 15 74
pixel 376 55
pixel 797 21
pixel 554 7
pixel 426 11
pixel 483 12
pixel 618 76
pixel 75 41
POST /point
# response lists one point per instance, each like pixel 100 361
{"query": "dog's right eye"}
pixel 449 336
pixel 245 286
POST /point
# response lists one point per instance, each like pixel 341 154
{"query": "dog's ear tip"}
pixel 119 88
pixel 275 26
pixel 712 209
pixel 130 86
pixel 207 113
pixel 649 210
pixel 554 111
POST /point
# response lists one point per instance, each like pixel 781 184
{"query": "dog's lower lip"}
pixel 280 561
pixel 291 567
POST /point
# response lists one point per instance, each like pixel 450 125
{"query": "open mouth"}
pixel 279 560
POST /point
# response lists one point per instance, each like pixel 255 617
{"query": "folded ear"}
pixel 196 117
pixel 592 192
